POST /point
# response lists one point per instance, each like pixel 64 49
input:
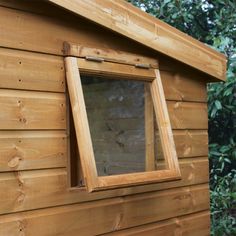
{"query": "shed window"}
pixel 121 124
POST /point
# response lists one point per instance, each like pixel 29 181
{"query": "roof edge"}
pixel 129 21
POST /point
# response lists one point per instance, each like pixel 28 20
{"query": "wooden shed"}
pixel 103 121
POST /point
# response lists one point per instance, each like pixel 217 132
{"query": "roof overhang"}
pixel 129 21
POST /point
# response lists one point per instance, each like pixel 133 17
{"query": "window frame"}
pixel 77 66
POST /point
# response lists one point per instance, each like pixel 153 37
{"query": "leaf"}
pixel 227 160
pixel 218 105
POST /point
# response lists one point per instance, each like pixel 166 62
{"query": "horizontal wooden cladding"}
pixel 188 115
pixel 108 215
pixel 34 32
pixel 191 143
pixel 32 110
pixel 110 69
pixel 31 71
pixel 131 22
pixel 184 86
pixel 21 150
pixel 34 71
pixel 191 225
pixel 26 190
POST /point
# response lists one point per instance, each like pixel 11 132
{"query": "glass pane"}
pixel 116 114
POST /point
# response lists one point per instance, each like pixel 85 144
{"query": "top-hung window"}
pixel 120 117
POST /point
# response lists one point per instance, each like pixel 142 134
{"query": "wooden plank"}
pixel 109 215
pixel 149 131
pixel 190 143
pixel 22 150
pixel 163 123
pixel 109 69
pixel 65 27
pixel 194 225
pixel 32 110
pixel 184 86
pixel 27 190
pixel 171 65
pixel 31 71
pixel 110 55
pixel 34 7
pixel 137 178
pixel 188 115
pixel 82 127
pixel 131 22
pixel 141 208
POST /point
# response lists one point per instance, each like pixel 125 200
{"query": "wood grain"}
pixel 34 71
pixel 33 32
pixel 27 190
pixel 131 22
pixel 184 86
pixel 80 118
pixel 108 215
pixel 149 130
pixel 163 124
pixel 111 70
pixel 194 225
pixel 93 181
pixel 188 115
pixel 22 150
pixel 32 110
pixel 190 143
pixel 31 71
pixel 107 54
pixel 29 146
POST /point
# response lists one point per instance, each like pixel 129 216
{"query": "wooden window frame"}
pixel 154 99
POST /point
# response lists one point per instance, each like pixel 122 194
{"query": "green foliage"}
pixel 223 200
pixel 213 23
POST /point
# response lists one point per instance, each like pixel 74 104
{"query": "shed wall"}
pixel 34 139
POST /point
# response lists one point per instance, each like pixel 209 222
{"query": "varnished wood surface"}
pixel 31 71
pixel 109 55
pixel 32 110
pixel 40 179
pixel 190 225
pixel 131 22
pixel 51 186
pixel 22 150
pixel 108 215
pixel 114 70
pixel 82 130
pixel 36 71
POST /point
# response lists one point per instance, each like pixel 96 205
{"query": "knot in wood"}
pixel 14 162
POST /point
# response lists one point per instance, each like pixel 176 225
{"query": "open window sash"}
pixel 155 99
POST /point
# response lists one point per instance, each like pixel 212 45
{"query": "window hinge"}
pixel 143 66
pixel 91 58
